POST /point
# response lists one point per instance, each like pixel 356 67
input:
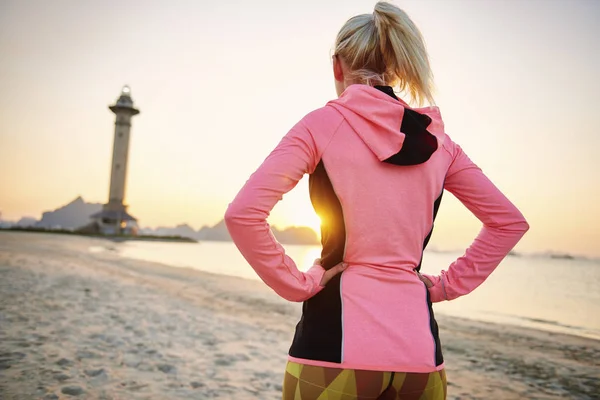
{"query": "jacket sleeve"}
pixel 246 216
pixel 503 227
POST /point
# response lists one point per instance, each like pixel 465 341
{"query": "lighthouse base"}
pixel 113 220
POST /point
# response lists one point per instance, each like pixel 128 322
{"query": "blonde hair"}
pixel 386 48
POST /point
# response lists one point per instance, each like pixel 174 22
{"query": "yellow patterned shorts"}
pixel 307 382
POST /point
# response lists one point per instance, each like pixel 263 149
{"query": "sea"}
pixel 540 292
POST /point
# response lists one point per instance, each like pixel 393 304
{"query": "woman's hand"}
pixel 425 280
pixel 330 273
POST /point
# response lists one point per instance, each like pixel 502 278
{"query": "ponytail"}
pixel 386 48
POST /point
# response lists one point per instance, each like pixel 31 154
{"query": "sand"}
pixel 85 325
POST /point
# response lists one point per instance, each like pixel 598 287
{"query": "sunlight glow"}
pixel 307 217
pixel 311 254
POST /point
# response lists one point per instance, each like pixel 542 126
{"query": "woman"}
pixel 378 168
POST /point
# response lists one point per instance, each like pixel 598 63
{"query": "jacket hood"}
pixel 394 132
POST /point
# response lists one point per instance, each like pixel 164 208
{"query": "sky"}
pixel 219 83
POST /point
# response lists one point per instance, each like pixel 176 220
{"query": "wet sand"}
pixel 77 324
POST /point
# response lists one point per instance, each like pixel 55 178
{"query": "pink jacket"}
pixel 377 169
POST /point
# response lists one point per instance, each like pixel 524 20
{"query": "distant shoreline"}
pixel 114 238
pixel 185 239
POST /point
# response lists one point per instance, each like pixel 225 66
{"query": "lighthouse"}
pixel 114 218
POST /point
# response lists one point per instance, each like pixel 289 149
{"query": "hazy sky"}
pixel 219 83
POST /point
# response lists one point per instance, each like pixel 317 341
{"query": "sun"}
pixel 295 209
pixel 310 219
pixel 306 216
pixel 315 224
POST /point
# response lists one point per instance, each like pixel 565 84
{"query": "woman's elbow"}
pixel 232 213
pixel 519 225
pixel 239 214
pixel 234 216
pixel 514 223
pixel 524 225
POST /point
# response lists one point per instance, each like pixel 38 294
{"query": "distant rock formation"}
pixel 75 216
pixel 562 256
pixel 183 230
pixel 71 216
pixel 297 235
pixel 218 232
pixel 26 222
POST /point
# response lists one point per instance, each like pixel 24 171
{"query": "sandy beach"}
pixel 87 325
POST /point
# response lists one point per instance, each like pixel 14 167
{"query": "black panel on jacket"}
pixel 319 333
pixel 418 144
pixel 439 358
pixel 436 207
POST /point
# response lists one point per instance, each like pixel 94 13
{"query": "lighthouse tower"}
pixel 114 219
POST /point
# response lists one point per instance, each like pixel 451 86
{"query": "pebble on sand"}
pixel 63 362
pixel 166 368
pixel 72 390
pixel 62 377
pixel 84 354
pixel 93 372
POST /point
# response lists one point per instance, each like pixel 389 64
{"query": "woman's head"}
pixel 383 48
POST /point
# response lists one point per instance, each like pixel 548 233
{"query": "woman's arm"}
pixel 246 216
pixel 503 227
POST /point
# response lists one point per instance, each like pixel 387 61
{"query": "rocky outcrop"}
pixel 71 216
